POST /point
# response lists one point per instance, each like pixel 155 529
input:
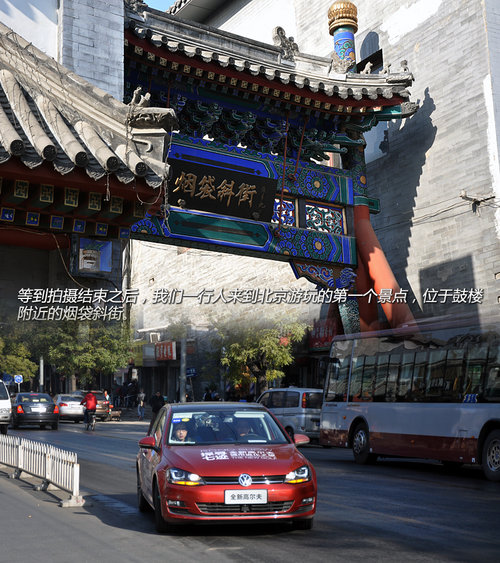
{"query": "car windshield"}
pixel 224 427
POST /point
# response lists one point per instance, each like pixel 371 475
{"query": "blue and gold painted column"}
pixel 343 24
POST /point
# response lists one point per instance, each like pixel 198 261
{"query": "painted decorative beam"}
pixel 217 232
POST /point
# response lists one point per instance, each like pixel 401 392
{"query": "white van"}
pixel 297 408
pixel 5 408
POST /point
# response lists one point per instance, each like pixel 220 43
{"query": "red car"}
pixel 209 462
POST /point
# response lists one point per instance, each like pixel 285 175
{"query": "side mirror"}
pixel 301 439
pixel 148 443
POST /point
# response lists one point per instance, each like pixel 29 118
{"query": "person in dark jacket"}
pixel 157 401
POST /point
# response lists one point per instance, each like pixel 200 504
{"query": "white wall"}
pixel 257 19
pixel 34 20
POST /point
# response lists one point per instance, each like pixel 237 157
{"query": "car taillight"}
pixel 19 409
pixel 105 402
pixel 63 404
pixel 56 409
pixel 304 400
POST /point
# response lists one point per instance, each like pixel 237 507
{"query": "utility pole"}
pixel 182 374
pixel 40 380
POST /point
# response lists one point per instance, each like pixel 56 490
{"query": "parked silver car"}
pixel 70 407
pixel 297 408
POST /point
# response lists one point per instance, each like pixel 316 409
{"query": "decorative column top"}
pixel 342 14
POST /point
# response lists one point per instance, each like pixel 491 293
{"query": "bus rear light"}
pixel 304 400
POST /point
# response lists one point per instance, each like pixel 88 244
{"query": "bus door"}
pixel 333 425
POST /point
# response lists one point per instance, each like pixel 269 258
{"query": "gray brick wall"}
pixel 165 267
pixel 91 42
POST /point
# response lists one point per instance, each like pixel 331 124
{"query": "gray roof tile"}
pixel 316 74
pixel 48 114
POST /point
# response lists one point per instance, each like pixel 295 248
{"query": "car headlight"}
pixel 181 477
pixel 300 475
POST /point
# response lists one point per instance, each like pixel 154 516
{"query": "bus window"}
pixel 368 379
pixel 435 374
pixel 492 388
pixel 337 379
pixel 453 375
pixel 477 355
pixel 418 383
pixel 392 377
pixel 381 377
pixel 405 375
pixel 356 379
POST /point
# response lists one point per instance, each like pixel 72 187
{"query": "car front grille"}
pixel 256 480
pixel 221 508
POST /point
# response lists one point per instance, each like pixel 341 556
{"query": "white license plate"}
pixel 252 496
pixel 39 409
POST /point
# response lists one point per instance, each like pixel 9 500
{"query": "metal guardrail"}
pixel 57 468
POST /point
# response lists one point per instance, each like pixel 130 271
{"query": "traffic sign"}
pixel 18 378
pixel 191 372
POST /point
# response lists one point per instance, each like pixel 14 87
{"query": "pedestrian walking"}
pixel 157 401
pixel 141 399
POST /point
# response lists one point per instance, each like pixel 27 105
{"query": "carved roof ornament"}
pixel 135 5
pixel 287 44
pixel 342 14
pixel 142 116
pixel 340 66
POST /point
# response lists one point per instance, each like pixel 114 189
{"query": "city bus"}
pixel 428 390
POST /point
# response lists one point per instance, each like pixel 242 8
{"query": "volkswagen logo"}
pixel 245 480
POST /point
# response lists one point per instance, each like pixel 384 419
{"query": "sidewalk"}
pixel 130 413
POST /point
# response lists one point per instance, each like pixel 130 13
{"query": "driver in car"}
pixel 243 427
pixel 180 433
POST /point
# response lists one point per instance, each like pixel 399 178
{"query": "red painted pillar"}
pixel 374 271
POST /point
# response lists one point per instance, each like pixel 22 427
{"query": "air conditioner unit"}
pixel 154 337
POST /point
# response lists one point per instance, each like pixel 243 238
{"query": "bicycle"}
pixel 91 420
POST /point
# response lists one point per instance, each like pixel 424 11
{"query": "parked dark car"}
pixel 35 408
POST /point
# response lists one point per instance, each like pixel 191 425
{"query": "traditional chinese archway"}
pixel 255 122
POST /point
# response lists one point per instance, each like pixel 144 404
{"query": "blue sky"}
pixel 160 4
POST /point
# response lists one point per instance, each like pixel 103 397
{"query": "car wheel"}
pixel 361 445
pixel 142 503
pixel 160 524
pixel 303 524
pixel 491 456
